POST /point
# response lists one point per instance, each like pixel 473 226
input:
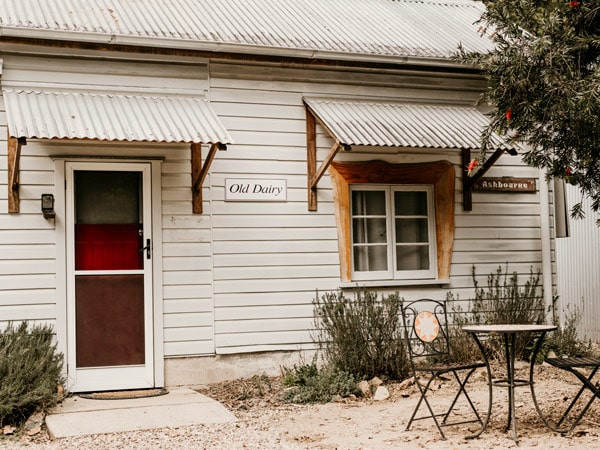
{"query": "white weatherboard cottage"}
pixel 178 178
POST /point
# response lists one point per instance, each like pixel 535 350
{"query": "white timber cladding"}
pixel 27 242
pixel 28 251
pixel 269 259
pixel 241 277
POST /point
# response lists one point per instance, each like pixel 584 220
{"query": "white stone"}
pixel 381 393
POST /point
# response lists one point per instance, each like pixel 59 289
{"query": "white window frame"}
pixel 392 273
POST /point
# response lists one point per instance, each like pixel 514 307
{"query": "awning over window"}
pixel 379 124
pixel 368 123
pixel 66 114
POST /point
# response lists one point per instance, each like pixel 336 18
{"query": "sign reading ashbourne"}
pixel 505 184
pixel 242 189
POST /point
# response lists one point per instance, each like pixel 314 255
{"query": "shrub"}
pixel 503 300
pixel 310 384
pixel 30 370
pixel 361 335
pixel 565 341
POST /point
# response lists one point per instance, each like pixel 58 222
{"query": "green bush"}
pixel 361 335
pixel 565 341
pixel 30 370
pixel 310 384
pixel 503 300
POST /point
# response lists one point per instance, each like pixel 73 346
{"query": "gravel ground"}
pixel 267 423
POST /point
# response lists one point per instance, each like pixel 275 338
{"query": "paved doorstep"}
pixel 77 416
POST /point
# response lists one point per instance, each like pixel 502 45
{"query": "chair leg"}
pixel 586 384
pixel 423 398
pixel 462 390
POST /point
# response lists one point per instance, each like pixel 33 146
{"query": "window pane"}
pixel 412 230
pixel 412 257
pixel 107 197
pixel 370 258
pixel 108 228
pixel 368 203
pixel 369 231
pixel 410 203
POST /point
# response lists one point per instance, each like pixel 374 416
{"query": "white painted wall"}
pixel 270 258
pixel 240 277
pixel 29 259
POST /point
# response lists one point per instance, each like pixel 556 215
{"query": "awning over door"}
pixel 63 113
pixel 372 123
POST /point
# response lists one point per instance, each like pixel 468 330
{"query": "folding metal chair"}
pixel 584 368
pixel 426 337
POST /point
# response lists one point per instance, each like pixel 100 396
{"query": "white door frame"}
pixel 152 373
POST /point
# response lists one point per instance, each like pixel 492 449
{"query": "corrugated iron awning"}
pixel 380 124
pixel 365 123
pixel 127 117
pixel 65 114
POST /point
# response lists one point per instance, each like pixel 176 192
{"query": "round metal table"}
pixel 509 333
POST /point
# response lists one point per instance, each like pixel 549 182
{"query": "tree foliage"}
pixel 544 85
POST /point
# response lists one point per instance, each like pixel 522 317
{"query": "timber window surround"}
pixel 395 221
pixel 393 232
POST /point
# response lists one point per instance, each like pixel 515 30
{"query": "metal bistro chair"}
pixel 426 337
pixel 584 368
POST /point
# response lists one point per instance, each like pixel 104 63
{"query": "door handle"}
pixel 147 248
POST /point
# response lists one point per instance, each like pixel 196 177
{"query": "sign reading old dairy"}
pixel 505 184
pixel 241 189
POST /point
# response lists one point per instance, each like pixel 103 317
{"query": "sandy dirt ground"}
pixel 265 422
pixel 370 424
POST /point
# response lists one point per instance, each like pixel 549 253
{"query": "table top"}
pixel 508 328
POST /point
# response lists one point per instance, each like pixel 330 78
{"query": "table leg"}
pixel 490 384
pixel 509 349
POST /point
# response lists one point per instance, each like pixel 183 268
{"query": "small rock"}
pixel 8 429
pixel 365 388
pixel 34 431
pixel 33 425
pixel 375 382
pixel 381 393
pixel 407 383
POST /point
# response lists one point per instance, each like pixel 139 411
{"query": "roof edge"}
pixel 25 34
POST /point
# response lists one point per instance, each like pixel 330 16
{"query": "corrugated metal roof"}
pixel 395 28
pixel 355 122
pixel 111 117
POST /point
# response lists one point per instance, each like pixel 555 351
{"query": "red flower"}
pixel 472 166
pixel 508 114
pixel 573 3
pixel 568 171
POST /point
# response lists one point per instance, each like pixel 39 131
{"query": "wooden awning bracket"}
pixel 14 157
pixel 314 175
pixel 469 181
pixel 199 171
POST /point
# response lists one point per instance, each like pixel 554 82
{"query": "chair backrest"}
pixel 425 329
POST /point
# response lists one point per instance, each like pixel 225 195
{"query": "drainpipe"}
pixel 546 247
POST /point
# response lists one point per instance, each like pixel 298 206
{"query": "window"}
pixel 393 232
pixel 395 222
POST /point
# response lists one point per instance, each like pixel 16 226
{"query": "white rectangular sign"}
pixel 242 189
